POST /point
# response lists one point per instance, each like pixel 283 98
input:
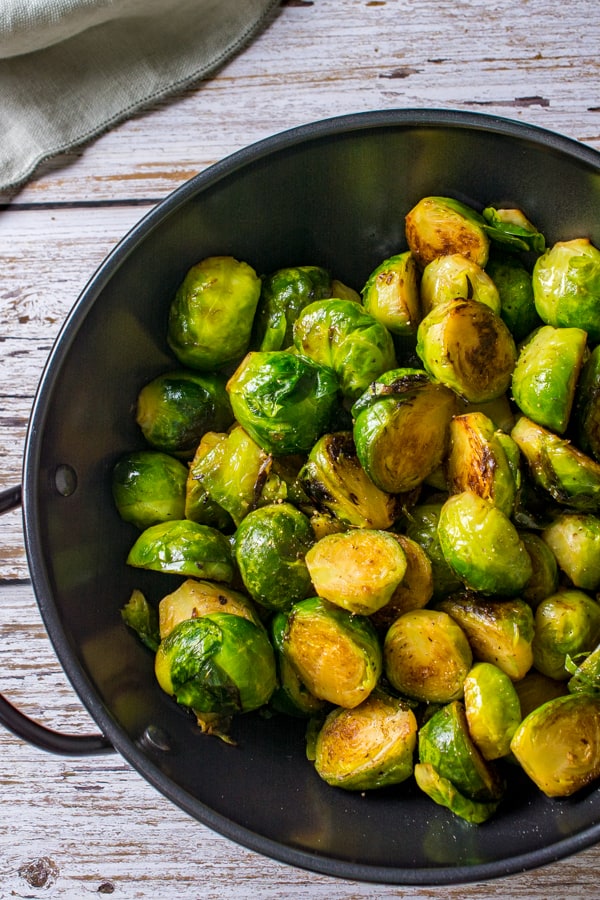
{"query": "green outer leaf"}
pixel 142 618
pixel 444 793
pixel 184 548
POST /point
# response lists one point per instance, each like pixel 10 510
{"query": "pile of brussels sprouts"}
pixel 385 508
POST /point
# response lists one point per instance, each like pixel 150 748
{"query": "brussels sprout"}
pixel 544 578
pixel 335 653
pixel 370 746
pixel 439 226
pixel 587 406
pixel 197 597
pixel 339 334
pixel 342 291
pixel 284 295
pixel 566 286
pixel 427 656
pixel 401 428
pixel 421 526
pixel 445 744
pixel 199 505
pixel 567 624
pixel 211 315
pixel 270 544
pixel 517 306
pixel 444 793
pixel 358 570
pixel 499 631
pixel 492 708
pixel 335 480
pixel 466 346
pixel 174 410
pixel 585 674
pixel 283 400
pixel 142 618
pixel 183 548
pixel 291 696
pixel 148 486
pixel 512 228
pixel 482 546
pixel 574 539
pixel 450 277
pixel 391 294
pixel 414 591
pixel 535 689
pixel 478 461
pixel 499 410
pixel 219 663
pixel 558 744
pixel 570 477
pixel 546 373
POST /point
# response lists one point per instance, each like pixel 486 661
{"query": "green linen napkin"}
pixel 70 69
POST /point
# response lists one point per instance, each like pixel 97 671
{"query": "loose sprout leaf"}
pixel 142 618
pixel 512 229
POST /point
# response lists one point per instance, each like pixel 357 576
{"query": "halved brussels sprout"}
pixel 587 405
pixel 335 653
pixel 445 743
pixel 558 744
pixel 570 477
pixel 211 315
pixel 283 400
pixel 198 597
pixel 334 479
pixel 219 663
pixel 499 410
pixel 270 545
pixel 444 793
pixel 536 689
pixel 499 631
pixel 291 696
pixel 414 591
pixel 478 461
pixel 466 346
pixel 174 410
pixel 427 656
pixel 183 548
pixel 450 277
pixel 284 295
pixel 391 294
pixel 517 306
pixel 401 428
pixel 493 709
pixel 567 624
pixel 438 226
pixel 422 527
pixel 369 746
pixel 139 615
pixel 574 539
pixel 544 578
pixel 148 486
pixel 546 373
pixel 566 286
pixel 199 505
pixel 482 546
pixel 358 570
pixel 512 228
pixel 342 336
pixel 585 674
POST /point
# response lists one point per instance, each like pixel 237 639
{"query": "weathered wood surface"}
pixel 69 828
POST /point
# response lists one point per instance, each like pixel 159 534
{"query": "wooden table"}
pixel 74 827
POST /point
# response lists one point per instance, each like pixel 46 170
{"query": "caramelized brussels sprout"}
pixel 492 708
pixel 535 688
pixel 219 663
pixel 566 280
pixel 183 548
pixel 283 400
pixel 334 479
pixel 482 546
pixel 444 793
pixel 401 428
pixel 512 228
pixel 570 477
pixel 148 486
pixel 422 527
pixel 427 656
pixel 499 631
pixel 499 410
pixel 291 696
pixel 451 277
pixel 211 315
pixel 439 226
pixel 546 373
pixel 414 591
pixel 567 624
pixel 270 545
pixel 558 744
pixel 574 539
pixel 484 460
pixel 587 406
pixel 342 336
pixel 139 615
pixel 336 654
pixel 174 410
pixel 199 505
pixel 544 578
pixel 358 570
pixel 198 597
pixel 517 306
pixel 284 295
pixel 466 346
pixel 370 746
pixel 391 294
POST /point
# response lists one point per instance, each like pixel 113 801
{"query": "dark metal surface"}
pixel 333 194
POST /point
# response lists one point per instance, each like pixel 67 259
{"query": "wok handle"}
pixel 26 728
